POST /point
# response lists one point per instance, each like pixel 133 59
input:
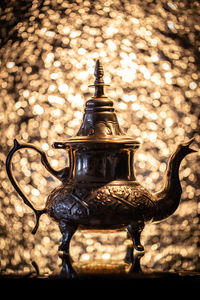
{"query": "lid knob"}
pixel 99 82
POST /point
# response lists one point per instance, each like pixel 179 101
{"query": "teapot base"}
pixel 68 228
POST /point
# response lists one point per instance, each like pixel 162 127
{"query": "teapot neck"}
pixel 102 165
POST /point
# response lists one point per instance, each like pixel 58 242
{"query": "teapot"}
pixel 99 189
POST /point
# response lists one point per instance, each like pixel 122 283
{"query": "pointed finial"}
pixel 98 73
pixel 99 82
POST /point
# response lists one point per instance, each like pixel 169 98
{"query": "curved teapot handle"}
pixel 17 146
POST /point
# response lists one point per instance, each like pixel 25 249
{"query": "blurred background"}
pixel 150 51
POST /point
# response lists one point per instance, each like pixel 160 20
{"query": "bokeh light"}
pixel 151 55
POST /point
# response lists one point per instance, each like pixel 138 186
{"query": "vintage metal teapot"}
pixel 98 189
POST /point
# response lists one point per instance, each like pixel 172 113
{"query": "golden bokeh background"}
pixel 151 59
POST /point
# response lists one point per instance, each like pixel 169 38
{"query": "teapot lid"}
pixel 100 124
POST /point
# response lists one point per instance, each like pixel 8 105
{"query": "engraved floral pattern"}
pixel 88 202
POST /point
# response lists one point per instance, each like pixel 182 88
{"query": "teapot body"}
pixel 100 206
pixel 101 189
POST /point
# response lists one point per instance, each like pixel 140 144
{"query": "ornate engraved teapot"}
pixel 98 189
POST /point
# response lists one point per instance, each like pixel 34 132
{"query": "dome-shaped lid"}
pixel 100 124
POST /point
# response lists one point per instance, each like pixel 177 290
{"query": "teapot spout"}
pixel 168 199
